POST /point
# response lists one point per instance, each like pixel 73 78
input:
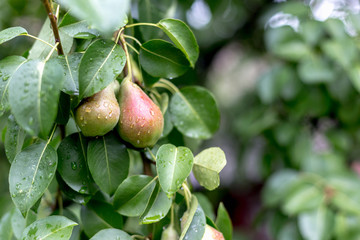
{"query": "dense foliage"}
pixel 304 113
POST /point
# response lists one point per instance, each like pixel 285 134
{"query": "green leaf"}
pixel 99 215
pixel 19 223
pixel 105 16
pixel 183 38
pixel 160 58
pixel 52 227
pixel 194 227
pixel 289 231
pixel 14 139
pixel 346 226
pixel 70 193
pixel 173 166
pixel 33 95
pixel 63 114
pixel 223 222
pixel 304 198
pixel 277 186
pixel 344 51
pixel 133 194
pixel 102 62
pixel 71 64
pixel 317 224
pixel 285 43
pixel 31 173
pixel 194 112
pixel 152 11
pixel 111 234
pixel 206 205
pixel 6 232
pixel 157 208
pixel 41 50
pixel 315 69
pixel 108 161
pixel 72 164
pixel 8 66
pixel 207 166
pixel 77 29
pixel 10 33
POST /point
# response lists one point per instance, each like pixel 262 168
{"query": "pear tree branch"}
pixel 54 26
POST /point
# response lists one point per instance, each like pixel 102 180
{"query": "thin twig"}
pixel 54 26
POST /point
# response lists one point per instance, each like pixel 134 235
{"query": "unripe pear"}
pixel 141 121
pixel 99 114
pixel 169 234
pixel 212 234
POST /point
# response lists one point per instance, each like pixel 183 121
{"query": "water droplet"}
pixel 97 105
pixel 142 125
pixel 138 133
pixel 106 104
pixel 138 141
pixel 73 166
pixel 152 112
pixel 13 195
pixel 81 118
pixel 99 116
pixel 87 109
pixel 132 125
pixel 148 131
pixel 83 190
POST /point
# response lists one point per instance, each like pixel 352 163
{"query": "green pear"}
pixel 141 121
pixel 169 234
pixel 99 114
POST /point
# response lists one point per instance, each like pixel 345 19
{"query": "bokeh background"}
pixel 286 75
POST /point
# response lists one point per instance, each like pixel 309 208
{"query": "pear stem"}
pixel 187 193
pixel 128 60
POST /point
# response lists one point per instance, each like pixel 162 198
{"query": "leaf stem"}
pixel 36 38
pixel 133 38
pixel 162 85
pixel 51 52
pixel 142 24
pixel 132 48
pixel 151 153
pixel 170 84
pixel 54 26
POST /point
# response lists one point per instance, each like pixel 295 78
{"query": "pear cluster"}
pixel 137 118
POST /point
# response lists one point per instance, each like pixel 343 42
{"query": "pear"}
pixel 212 234
pixel 141 121
pixel 99 114
pixel 169 234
